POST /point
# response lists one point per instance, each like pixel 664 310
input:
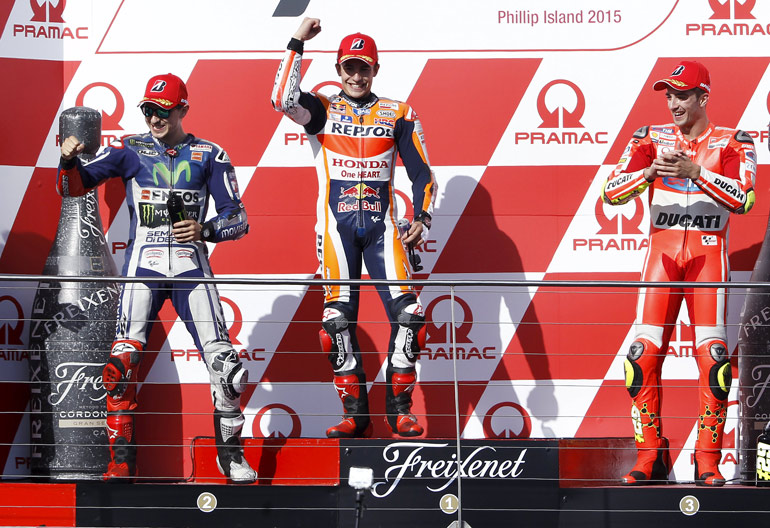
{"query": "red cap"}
pixel 686 76
pixel 166 90
pixel 358 46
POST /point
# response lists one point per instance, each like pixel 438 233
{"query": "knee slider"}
pixel 634 375
pixel 721 373
pixel 335 336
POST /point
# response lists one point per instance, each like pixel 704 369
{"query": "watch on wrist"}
pixel 424 218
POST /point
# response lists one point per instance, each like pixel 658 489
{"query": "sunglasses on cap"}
pixel 149 109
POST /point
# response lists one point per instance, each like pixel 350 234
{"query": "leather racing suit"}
pixel 151 172
pixel 688 241
pixel 355 143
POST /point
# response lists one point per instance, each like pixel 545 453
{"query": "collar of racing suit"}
pixel 363 102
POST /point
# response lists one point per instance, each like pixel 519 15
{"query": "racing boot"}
pixel 398 402
pixel 714 386
pixel 707 469
pixel 120 431
pixel 230 459
pixel 653 464
pixel 355 400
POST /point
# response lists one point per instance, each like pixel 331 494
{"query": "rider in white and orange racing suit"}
pixel 355 137
pixel 152 170
pixel 688 238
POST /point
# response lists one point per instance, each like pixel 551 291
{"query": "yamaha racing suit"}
pixel 687 242
pixel 151 171
pixel 355 143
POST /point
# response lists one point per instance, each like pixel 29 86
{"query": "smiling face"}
pixel 688 109
pixel 356 77
pixel 169 129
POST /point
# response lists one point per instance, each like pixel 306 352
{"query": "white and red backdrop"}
pixel 526 108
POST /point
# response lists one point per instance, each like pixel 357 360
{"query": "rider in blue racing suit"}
pixel 155 166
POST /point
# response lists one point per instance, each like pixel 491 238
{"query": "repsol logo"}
pixel 361 131
pixel 360 164
pixel 685 220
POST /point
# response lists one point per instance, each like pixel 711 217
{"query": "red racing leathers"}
pixel 689 223
pixel 355 143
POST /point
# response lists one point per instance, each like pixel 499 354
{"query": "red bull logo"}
pixel 359 192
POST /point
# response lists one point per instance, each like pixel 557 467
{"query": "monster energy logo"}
pixel 150 216
pixel 182 169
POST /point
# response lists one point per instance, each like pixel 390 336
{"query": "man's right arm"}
pixel 303 108
pixel 632 175
pixel 76 178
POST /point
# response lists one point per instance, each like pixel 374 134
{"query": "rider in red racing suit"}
pixel 154 166
pixel 697 174
pixel 355 138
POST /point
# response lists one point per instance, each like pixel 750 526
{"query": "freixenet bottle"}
pixel 754 364
pixel 763 458
pixel 72 328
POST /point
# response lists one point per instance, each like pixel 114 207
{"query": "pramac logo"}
pixel 277 421
pixel 438 327
pixel 732 18
pixel 565 115
pixel 47 22
pixel 740 10
pixel 110 121
pixel 12 324
pixel 47 11
pixel 624 233
pixel 561 117
pixel 507 420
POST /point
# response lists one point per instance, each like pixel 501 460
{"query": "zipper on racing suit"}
pixel 360 229
pixel 171 168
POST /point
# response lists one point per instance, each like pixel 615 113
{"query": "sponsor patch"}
pixel 389 106
pixel 341 118
pixel 708 240
pixel 362 111
pixel 146 152
pixel 385 122
pixel 386 113
pixel 203 148
pixel 715 143
pixel 196 156
pixel 339 108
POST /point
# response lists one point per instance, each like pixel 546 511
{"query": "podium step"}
pixel 277 461
pixel 592 462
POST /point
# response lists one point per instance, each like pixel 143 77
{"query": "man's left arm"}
pixel 733 188
pixel 231 221
pixel 411 148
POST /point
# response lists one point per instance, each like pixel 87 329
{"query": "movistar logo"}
pixel 182 169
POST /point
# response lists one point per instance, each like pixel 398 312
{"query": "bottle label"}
pixel 763 462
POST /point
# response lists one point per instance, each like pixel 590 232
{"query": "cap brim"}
pixel 163 103
pixel 368 60
pixel 672 83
